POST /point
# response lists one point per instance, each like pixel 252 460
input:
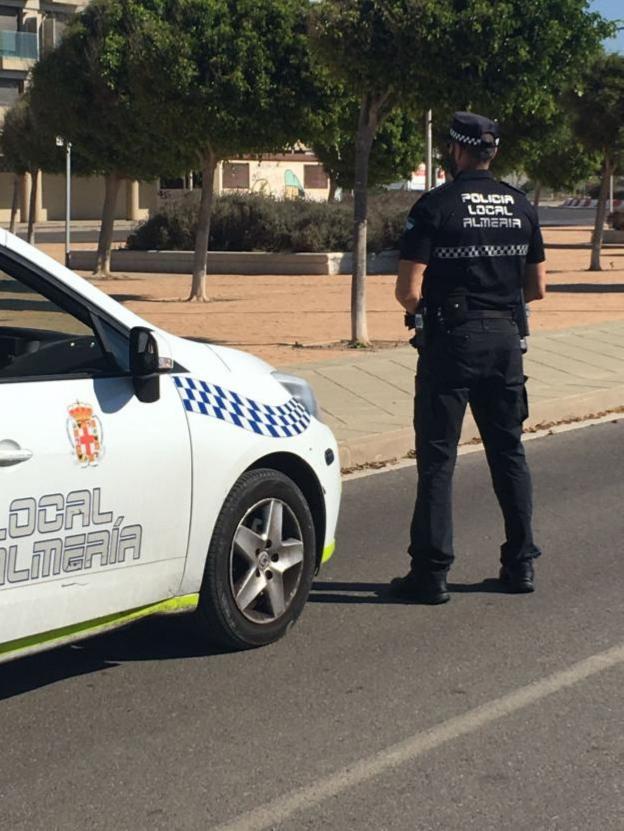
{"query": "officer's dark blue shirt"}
pixel 474 234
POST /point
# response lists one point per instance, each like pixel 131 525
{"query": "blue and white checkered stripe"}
pixel 278 422
pixel 461 252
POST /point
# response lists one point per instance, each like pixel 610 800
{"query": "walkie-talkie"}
pixel 416 322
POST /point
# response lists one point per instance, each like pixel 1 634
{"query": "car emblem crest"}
pixel 84 430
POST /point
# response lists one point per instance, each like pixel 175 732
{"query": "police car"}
pixel 142 473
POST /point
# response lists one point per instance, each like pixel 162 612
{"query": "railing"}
pixel 19 45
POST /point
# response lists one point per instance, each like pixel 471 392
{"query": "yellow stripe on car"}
pixel 328 552
pixel 56 637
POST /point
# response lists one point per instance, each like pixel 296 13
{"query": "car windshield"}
pixel 22 307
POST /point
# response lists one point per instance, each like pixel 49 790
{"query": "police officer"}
pixel 469 249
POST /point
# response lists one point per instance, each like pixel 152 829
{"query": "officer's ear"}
pixel 487 155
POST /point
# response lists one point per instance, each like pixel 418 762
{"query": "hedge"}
pixel 251 222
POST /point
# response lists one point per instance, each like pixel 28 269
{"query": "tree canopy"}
pixel 597 106
pixel 85 91
pixel 239 80
pixel 27 144
pixel 398 147
pixel 506 59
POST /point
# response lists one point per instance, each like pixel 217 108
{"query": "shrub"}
pixel 616 220
pixel 251 222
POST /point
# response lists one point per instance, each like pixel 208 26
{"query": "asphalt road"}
pixel 567 216
pixel 492 712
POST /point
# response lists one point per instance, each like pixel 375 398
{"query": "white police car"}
pixel 142 473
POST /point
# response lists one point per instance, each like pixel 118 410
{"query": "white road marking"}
pixel 281 809
pixel 467 449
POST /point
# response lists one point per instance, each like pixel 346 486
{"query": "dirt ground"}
pixel 289 320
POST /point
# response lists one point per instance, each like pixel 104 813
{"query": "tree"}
pixel 598 106
pixel 545 148
pixel 239 81
pixel 84 91
pixel 14 203
pixel 504 57
pixel 558 160
pixel 28 147
pixel 397 148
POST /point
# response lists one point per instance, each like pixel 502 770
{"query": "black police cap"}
pixel 474 130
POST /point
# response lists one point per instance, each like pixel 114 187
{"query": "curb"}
pixel 386 447
pixel 236 262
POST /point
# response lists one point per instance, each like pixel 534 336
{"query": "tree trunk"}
pixel 367 126
pixel 601 214
pixel 14 203
pixel 333 187
pixel 537 194
pixel 32 207
pixel 105 240
pixel 202 237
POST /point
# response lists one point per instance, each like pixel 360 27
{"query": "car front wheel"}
pixel 260 564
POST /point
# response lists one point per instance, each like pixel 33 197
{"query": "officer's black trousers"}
pixel 480 363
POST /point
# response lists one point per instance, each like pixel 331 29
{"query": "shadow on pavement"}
pixel 491 585
pixel 123 298
pixel 377 593
pixel 569 245
pixel 156 639
pixel 586 288
pixel 330 592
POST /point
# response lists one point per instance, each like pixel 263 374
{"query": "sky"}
pixel 612 10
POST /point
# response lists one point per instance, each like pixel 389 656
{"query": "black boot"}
pixel 428 587
pixel 519 578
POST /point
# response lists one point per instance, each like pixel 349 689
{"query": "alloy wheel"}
pixel 266 561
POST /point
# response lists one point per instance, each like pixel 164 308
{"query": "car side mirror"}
pixel 146 363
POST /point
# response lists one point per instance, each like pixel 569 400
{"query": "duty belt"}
pixel 483 314
pixel 474 314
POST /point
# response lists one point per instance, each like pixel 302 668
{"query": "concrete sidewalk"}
pixel 367 397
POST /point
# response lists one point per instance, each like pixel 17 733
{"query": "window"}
pixel 9 19
pixel 236 175
pixel 9 91
pixel 314 177
pixel 52 30
pixel 39 338
pixel 172 184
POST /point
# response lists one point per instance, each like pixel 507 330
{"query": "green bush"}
pixel 251 222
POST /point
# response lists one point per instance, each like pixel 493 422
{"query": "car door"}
pixel 94 484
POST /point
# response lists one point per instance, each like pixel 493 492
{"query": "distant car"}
pixel 143 473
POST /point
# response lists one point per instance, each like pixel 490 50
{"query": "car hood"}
pixel 193 355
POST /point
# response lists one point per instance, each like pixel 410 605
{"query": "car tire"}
pixel 255 586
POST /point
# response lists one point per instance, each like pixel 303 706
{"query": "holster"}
pixel 521 319
pixel 454 309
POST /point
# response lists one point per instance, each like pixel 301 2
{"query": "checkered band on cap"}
pixel 475 142
pixel 273 421
pixel 460 252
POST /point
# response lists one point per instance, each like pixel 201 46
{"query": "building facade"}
pixel 292 175
pixel 29 29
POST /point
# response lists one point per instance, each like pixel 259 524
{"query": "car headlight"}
pixel 301 391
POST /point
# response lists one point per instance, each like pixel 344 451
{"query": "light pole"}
pixel 429 142
pixel 60 142
pixel 611 193
pixel 612 179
